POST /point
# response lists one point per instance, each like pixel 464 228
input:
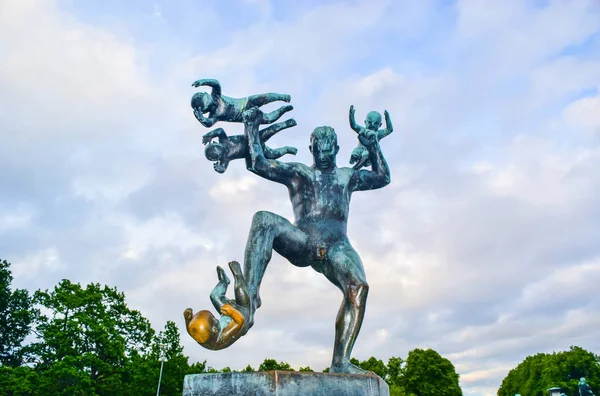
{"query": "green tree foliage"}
pixel 16 317
pixel 271 364
pixel 372 364
pixel 87 338
pixel 537 373
pixel 307 369
pixel 426 373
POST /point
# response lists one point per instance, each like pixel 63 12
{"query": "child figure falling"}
pixel 223 108
pixel 213 333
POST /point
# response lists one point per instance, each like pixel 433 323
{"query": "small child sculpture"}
pixel 220 333
pixel 584 388
pixel 360 155
pixel 235 147
pixel 223 108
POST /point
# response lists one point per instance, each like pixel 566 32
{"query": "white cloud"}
pixel 483 246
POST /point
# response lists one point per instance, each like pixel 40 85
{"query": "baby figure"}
pixel 235 147
pixel 213 333
pixel 360 155
pixel 223 108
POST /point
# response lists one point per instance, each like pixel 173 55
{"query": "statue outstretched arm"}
pixel 216 133
pixel 352 120
pixel 389 128
pixel 209 82
pixel 379 176
pixel 274 170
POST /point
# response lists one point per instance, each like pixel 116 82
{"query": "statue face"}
pixel 373 121
pixel 324 148
pixel 324 153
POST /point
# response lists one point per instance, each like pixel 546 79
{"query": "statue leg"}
pixel 276 114
pixel 240 287
pixel 262 99
pixel 269 231
pixel 217 296
pixel 345 270
pixel 272 153
pixel 271 130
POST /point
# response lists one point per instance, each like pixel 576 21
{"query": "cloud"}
pixel 484 247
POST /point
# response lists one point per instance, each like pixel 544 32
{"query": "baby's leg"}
pixel 271 130
pixel 241 289
pixel 275 115
pixel 271 153
pixel 263 99
pixel 217 296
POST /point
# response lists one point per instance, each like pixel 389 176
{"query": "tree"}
pixel 16 317
pixel 426 373
pixel 307 369
pixel 535 374
pixel 88 338
pixel 372 364
pixel 145 370
pixel 271 364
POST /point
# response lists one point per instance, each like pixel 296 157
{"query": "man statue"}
pixel 320 196
pixel 584 388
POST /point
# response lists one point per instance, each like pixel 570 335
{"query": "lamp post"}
pixel 162 359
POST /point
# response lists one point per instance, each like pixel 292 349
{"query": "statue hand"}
pixel 197 83
pixel 227 309
pixel 352 110
pixel 251 115
pixel 199 115
pixel 207 138
pixel 386 114
pixel 367 137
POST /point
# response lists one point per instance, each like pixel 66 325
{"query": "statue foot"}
pixel 222 276
pixel 347 368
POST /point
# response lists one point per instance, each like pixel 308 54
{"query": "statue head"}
pixel 201 101
pixel 324 147
pixel 217 153
pixel 582 381
pixel 373 121
pixel 203 326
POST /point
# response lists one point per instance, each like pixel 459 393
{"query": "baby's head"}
pixel 202 326
pixel 200 101
pixel 217 153
pixel 373 121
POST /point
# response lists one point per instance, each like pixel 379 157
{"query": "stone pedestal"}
pixel 284 383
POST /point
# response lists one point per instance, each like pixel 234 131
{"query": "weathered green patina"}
pixel 320 195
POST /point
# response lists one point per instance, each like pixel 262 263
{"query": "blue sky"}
pixel 487 236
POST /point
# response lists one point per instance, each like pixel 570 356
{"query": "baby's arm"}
pixel 236 324
pixel 216 133
pixel 353 123
pixel 207 122
pixel 389 128
pixel 209 82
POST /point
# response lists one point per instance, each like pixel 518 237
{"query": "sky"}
pixel 484 246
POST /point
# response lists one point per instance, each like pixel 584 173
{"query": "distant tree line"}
pixel 537 373
pixel 75 340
